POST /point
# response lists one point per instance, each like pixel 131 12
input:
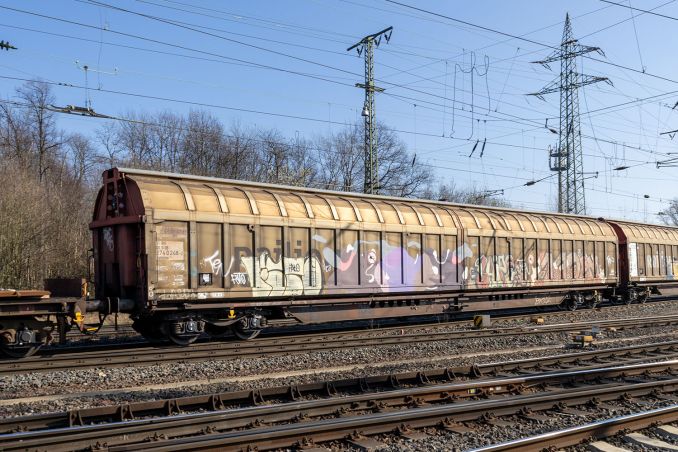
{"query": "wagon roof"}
pixel 216 194
pixel 651 232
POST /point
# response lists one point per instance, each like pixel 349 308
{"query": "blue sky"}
pixel 286 63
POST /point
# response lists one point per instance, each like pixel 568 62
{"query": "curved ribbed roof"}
pixel 165 191
pixel 636 232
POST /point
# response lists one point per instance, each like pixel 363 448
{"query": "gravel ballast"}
pixel 80 388
pixel 128 384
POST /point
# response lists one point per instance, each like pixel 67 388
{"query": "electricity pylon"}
pixel 366 46
pixel 567 158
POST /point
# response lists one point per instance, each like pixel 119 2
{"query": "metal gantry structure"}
pixel 567 158
pixel 366 47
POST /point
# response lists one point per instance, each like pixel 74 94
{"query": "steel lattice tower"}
pixel 567 159
pixel 367 45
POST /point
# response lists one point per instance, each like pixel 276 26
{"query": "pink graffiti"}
pixel 345 265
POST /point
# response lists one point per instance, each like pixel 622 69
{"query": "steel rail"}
pixel 575 435
pixel 133 435
pixel 213 402
pixel 284 329
pixel 289 435
pixel 142 356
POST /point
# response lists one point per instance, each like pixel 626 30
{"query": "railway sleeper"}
pixel 343 387
pixel 372 414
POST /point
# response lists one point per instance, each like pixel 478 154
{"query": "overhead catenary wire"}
pixel 222 56
pixel 541 121
pixel 135 48
pixel 645 11
pixel 396 85
pixel 156 41
pixel 635 32
pixel 173 22
pixel 322 120
pixel 604 107
pixel 192 28
pixel 532 41
pixel 148 123
pixel 176 45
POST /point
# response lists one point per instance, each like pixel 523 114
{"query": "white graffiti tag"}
pixel 239 279
pixel 108 238
pixel 214 262
pixel 301 276
pixel 372 267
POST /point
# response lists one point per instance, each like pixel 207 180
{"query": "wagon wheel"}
pixel 179 336
pixel 17 351
pixel 244 334
pixel 570 303
pixel 183 339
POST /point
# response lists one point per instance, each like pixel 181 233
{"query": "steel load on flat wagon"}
pixel 186 255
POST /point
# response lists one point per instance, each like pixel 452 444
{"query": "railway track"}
pixel 109 332
pixel 141 355
pixel 533 390
pixel 588 359
pixel 585 433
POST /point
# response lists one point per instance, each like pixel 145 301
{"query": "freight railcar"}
pixel 186 255
pixel 30 318
pixel 650 263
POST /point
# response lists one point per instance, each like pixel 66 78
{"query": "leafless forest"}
pixel 51 175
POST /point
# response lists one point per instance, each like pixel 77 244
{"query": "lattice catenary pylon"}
pixel 567 159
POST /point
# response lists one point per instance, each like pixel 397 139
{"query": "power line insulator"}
pixel 6 45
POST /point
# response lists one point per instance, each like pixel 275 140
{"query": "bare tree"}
pixel 301 164
pixel 341 163
pixel 40 124
pixel 472 195
pixel 283 162
pixel 44 211
pixel 23 228
pixel 341 160
pixel 134 136
pixel 202 142
pixel 199 144
pixel 107 138
pixel 399 172
pixel 237 158
pixel 15 141
pixel 82 156
pixel 168 140
pixel 670 215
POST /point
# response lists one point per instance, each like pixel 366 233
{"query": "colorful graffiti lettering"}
pixel 301 275
pixel 505 271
